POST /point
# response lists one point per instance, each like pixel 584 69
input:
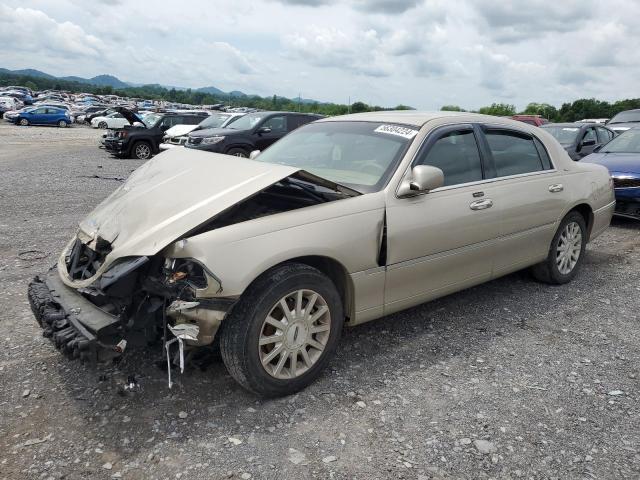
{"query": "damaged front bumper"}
pixel 75 326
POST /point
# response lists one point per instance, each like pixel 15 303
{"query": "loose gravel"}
pixel 511 379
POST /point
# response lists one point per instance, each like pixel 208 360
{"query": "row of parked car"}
pixel 232 133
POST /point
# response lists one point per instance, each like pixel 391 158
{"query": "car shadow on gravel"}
pixel 207 399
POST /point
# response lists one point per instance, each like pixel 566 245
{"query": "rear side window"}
pixel 192 120
pixel 513 153
pixel 590 135
pixel 456 154
pixel 544 155
pixel 296 121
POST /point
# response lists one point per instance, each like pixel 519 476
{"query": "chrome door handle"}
pixel 481 204
pixel 556 187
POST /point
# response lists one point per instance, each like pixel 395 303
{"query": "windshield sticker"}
pixel 570 129
pixel 396 130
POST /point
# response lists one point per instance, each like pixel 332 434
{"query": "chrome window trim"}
pixel 479 182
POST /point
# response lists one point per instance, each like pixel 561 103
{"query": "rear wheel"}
pixel 283 331
pixel 24 122
pixel 102 125
pixel 238 152
pixel 566 253
pixel 141 151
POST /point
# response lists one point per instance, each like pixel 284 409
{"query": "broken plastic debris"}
pixel 182 332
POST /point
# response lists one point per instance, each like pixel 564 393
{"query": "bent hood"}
pixel 172 194
pixel 180 130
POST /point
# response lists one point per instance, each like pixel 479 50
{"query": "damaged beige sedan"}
pixel 343 221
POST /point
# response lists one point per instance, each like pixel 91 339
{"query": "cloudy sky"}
pixel 424 53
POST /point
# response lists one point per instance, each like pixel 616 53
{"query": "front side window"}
pixel 513 153
pixel 276 124
pixel 603 135
pixel 590 135
pixel 456 154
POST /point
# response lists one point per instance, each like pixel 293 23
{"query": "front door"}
pixel 444 240
pixel 270 131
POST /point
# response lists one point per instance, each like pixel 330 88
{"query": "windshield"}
pixel 248 121
pixel 628 142
pixel 359 155
pixel 216 120
pixel 564 135
pixel 629 116
pixel 150 119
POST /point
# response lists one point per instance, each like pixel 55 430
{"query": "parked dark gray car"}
pixel 623 121
pixel 580 139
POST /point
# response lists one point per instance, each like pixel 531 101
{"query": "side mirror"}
pixel 262 130
pixel 254 154
pixel 423 179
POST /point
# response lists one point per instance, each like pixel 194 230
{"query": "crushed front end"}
pixel 93 309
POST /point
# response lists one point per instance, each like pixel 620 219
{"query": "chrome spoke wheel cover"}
pixel 569 248
pixel 294 334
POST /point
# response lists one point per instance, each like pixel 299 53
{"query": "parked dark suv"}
pixel 254 131
pixel 580 139
pixel 142 142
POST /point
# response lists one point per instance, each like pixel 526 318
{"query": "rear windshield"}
pixel 623 117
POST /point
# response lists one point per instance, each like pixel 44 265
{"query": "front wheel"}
pixel 566 253
pixel 24 122
pixel 62 124
pixel 141 151
pixel 238 152
pixel 283 331
pixel 102 125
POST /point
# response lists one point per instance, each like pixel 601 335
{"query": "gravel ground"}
pixel 512 379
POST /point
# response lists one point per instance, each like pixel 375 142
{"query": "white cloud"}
pixel 419 52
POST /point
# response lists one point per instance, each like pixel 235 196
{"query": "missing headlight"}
pixel 192 273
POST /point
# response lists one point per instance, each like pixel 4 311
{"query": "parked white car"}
pixel 113 120
pixel 11 103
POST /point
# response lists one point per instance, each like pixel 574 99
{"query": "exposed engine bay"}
pixel 150 300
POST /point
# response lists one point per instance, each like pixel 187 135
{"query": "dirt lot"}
pixel 512 379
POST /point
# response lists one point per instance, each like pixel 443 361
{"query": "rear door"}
pixel 531 196
pixel 444 240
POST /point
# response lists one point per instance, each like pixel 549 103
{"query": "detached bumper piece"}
pixel 70 321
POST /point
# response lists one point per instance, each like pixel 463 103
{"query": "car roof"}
pixel 568 124
pixel 418 118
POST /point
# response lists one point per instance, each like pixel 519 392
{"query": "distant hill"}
pixel 100 80
pixel 114 82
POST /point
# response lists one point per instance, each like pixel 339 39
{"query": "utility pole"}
pixel 299 100
pixel 349 105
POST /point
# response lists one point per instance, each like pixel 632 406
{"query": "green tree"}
pixel 359 107
pixel 451 108
pixel 499 110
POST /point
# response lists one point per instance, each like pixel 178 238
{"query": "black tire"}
pixel 102 125
pixel 62 124
pixel 242 328
pixel 141 150
pixel 549 271
pixel 23 122
pixel 238 152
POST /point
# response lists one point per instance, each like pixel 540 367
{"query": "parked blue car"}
pixel 622 157
pixel 40 116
